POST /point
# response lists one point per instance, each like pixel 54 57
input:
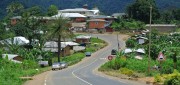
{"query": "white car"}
pixel 56 65
pixel 64 64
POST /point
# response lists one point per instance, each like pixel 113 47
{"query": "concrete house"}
pixel 52 46
pixel 66 47
pixel 15 19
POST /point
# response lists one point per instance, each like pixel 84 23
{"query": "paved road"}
pixel 83 72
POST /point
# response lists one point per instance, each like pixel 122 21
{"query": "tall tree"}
pixel 27 26
pixel 52 10
pixel 15 8
pixel 140 10
pixel 60 29
pixel 176 13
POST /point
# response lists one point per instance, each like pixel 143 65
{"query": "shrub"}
pixel 130 43
pixel 167 66
pixel 126 71
pixel 157 78
pixel 173 79
pixel 29 64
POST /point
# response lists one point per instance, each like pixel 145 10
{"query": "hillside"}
pixel 105 6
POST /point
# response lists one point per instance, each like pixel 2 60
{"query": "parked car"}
pixel 113 52
pixel 64 64
pixel 56 65
pixel 88 54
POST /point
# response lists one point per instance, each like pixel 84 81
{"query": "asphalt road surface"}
pixel 84 73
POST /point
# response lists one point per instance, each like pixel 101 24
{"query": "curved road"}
pixel 84 73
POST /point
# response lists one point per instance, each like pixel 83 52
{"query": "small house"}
pixel 52 46
pixel 15 19
pixel 83 39
pixel 141 40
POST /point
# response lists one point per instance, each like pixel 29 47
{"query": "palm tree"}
pixel 60 30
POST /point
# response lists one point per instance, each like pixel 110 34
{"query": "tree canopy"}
pixel 52 10
pixel 140 10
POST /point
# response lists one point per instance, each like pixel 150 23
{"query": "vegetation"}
pixel 141 8
pixel 114 7
pixel 160 43
pixel 95 45
pixel 52 10
pixel 127 24
pixel 172 79
pixel 60 29
pixel 11 72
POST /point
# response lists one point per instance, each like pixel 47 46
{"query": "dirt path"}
pixel 37 79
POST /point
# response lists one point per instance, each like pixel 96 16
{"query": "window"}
pixel 96 22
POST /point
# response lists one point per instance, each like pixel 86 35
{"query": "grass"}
pixel 71 59
pixel 10 72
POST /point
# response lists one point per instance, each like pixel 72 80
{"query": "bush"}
pixel 167 67
pixel 126 71
pixel 29 64
pixel 157 78
pixel 130 43
pixel 173 79
pixel 114 64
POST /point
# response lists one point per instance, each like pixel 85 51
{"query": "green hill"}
pixel 105 6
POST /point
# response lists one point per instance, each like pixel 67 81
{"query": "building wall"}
pixel 109 29
pixel 82 41
pixel 163 28
pixel 66 51
pixel 96 24
pixel 80 19
pixel 13 21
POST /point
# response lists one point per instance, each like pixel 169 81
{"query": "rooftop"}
pixel 69 15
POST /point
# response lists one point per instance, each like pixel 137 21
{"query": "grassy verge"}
pixel 10 72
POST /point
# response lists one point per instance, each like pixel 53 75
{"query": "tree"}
pixel 52 10
pixel 140 10
pixel 14 8
pixel 118 24
pixel 59 29
pixel 4 34
pixel 34 11
pixel 27 26
pixel 176 14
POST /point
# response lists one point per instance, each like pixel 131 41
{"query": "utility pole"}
pixel 118 42
pixel 149 58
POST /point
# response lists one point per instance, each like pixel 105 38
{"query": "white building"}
pixel 82 11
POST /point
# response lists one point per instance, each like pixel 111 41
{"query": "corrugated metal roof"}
pixel 101 16
pixel 84 36
pixel 69 15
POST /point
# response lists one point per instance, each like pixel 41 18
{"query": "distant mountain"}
pixel 105 6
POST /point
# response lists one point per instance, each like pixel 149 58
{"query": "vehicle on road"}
pixel 56 65
pixel 88 54
pixel 64 64
pixel 113 52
